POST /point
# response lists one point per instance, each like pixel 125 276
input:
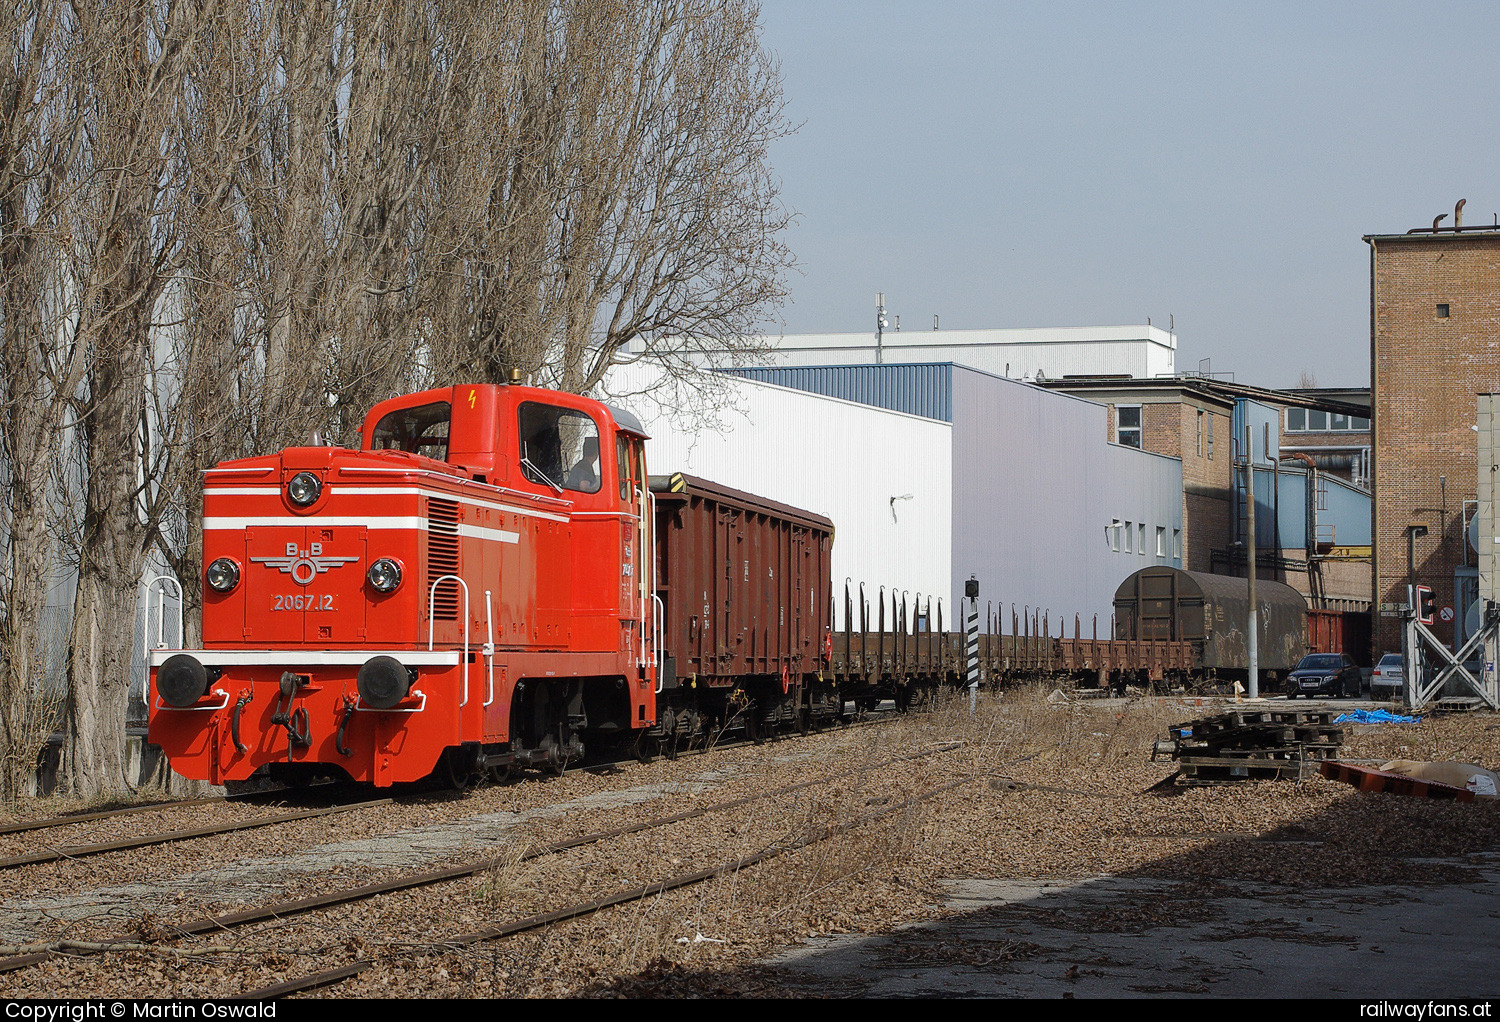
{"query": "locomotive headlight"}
pixel 384 575
pixel 304 489
pixel 223 575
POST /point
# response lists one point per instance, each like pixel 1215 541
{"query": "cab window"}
pixel 622 466
pixel 559 447
pixel 419 430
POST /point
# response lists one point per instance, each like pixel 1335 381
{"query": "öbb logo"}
pixel 304 565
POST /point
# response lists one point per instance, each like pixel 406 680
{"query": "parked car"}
pixel 1333 674
pixel 1388 678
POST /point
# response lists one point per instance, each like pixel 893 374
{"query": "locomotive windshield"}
pixel 559 448
pixel 420 430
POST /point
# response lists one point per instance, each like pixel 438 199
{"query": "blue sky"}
pixel 1065 164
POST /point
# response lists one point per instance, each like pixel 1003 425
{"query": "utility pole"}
pixel 1254 641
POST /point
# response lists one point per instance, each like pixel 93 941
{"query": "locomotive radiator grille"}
pixel 442 556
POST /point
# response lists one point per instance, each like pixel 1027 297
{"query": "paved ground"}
pixel 1145 937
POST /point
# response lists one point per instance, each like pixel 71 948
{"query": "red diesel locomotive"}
pixel 480 586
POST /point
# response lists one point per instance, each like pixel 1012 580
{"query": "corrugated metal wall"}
pixel 925 390
pixel 1344 519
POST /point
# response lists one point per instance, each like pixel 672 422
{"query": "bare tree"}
pixel 630 199
pixel 123 244
pixel 670 231
pixel 41 107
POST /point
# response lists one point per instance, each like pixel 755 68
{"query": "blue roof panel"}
pixel 922 389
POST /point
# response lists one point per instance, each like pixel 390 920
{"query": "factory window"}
pixel 1141 535
pixel 1129 530
pixel 1442 310
pixel 1210 436
pixel 1200 432
pixel 1161 541
pixel 1114 535
pixel 1128 431
pixel 1308 420
pixel 1177 544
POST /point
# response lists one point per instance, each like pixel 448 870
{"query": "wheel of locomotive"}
pixel 455 770
pixel 646 748
pixel 498 774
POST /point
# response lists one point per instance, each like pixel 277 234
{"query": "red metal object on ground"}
pixel 1369 779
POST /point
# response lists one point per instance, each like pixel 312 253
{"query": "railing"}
pixel 431 605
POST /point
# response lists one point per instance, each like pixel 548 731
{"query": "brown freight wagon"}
pixel 744 589
pixel 1334 631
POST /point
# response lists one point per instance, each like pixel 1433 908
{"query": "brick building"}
pixel 1192 418
pixel 1180 417
pixel 1434 346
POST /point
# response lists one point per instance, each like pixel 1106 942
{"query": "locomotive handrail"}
pixel 489 647
pixel 661 612
pixel 412 709
pixel 161 613
pixel 239 471
pixel 195 709
pixel 431 604
pixel 648 553
pixel 643 499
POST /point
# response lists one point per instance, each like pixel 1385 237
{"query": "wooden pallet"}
pixel 1229 769
pixel 1243 745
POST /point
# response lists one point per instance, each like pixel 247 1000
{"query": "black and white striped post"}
pixel 971 637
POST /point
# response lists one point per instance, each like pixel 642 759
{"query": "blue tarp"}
pixel 1375 717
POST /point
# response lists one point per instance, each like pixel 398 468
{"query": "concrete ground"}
pixel 1147 937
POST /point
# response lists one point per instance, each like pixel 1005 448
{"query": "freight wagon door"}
pixel 1157 607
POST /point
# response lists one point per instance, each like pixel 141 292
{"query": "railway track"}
pixel 27 956
pixel 576 910
pixel 79 851
pixel 248 798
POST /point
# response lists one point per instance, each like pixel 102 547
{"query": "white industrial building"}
pixel 936 473
pixel 1017 354
pixel 883 477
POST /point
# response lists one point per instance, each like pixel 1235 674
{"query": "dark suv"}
pixel 1320 674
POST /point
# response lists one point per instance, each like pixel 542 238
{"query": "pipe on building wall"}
pixel 1312 501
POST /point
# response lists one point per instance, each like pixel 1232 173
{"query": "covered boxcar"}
pixel 1212 612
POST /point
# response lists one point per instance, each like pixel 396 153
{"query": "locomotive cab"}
pixel 468 588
